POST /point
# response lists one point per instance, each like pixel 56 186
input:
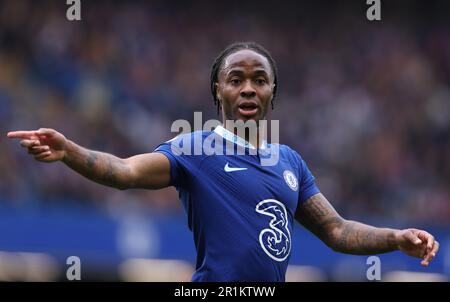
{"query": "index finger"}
pixel 22 134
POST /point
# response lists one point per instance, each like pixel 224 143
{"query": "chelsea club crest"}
pixel 290 180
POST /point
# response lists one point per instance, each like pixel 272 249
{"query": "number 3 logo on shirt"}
pixel 275 240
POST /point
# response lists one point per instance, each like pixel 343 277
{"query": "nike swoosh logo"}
pixel 229 169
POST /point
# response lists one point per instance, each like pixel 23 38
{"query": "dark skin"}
pixel 245 78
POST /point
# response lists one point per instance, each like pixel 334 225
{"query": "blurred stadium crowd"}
pixel 366 104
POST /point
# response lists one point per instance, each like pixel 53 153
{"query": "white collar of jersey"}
pixel 230 136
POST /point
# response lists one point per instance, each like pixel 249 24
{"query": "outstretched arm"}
pixel 352 237
pixel 151 171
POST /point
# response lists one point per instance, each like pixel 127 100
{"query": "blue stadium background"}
pixel 367 104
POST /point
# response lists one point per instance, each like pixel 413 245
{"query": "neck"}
pixel 252 132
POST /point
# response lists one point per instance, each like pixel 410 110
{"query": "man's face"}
pixel 245 87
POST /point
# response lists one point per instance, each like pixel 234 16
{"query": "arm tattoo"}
pixel 361 239
pixel 92 158
pixel 317 208
pixel 368 238
pixel 318 216
pixel 100 167
pixel 110 176
pixel 345 236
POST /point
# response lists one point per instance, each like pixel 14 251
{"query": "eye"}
pixel 235 81
pixel 260 81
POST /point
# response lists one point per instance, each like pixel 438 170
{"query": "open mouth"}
pixel 248 109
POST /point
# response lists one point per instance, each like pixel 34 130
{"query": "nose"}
pixel 248 90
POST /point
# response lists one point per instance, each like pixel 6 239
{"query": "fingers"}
pixel 32 140
pixel 425 247
pixel 31 134
pixel 413 238
pixel 426 238
pixel 40 152
pixel 435 248
pixel 431 254
pixel 22 134
pixel 426 260
pixel 432 246
pixel 29 143
pixel 43 155
pixel 34 146
pixel 45 131
pixel 38 149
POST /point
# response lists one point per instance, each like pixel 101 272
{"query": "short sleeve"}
pixel 181 154
pixel 308 185
pixel 176 169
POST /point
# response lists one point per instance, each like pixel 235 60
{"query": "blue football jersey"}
pixel 240 212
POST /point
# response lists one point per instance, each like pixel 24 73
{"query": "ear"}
pixel 218 92
pixel 272 97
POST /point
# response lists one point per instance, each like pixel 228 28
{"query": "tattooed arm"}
pixel 352 237
pixel 151 171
